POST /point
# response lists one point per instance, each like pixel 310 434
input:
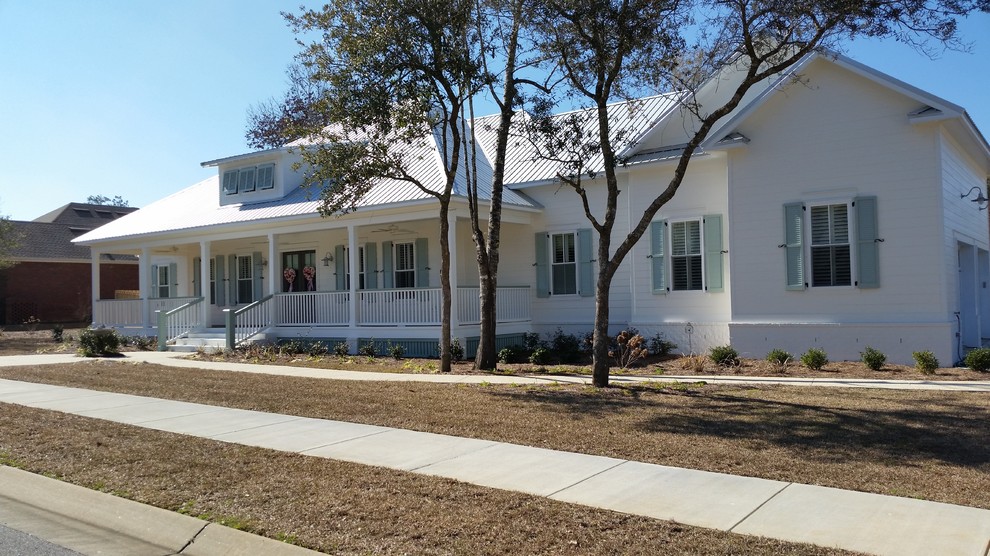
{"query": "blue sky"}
pixel 127 97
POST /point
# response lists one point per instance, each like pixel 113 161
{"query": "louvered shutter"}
pixel 542 266
pixel 219 287
pixel 340 267
pixel 586 279
pixel 258 275
pixel 422 263
pixel 714 263
pixel 371 266
pixel 794 245
pixel 867 246
pixel 658 262
pixel 388 273
pixel 232 282
pixel 197 273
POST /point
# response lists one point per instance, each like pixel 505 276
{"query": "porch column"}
pixel 452 242
pixel 144 286
pixel 204 280
pixel 94 271
pixel 352 256
pixel 273 278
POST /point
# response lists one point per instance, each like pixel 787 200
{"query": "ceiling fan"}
pixel 392 229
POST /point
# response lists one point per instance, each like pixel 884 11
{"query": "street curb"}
pixel 91 514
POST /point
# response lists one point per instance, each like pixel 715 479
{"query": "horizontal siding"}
pixel 830 139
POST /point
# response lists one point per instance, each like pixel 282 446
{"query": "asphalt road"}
pixel 17 543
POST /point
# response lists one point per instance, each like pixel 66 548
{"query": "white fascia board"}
pixel 241 157
pixel 906 89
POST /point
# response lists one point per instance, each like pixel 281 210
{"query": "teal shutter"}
pixel 219 282
pixel 340 267
pixel 197 271
pixel 867 242
pixel 586 276
pixel 258 277
pixel 422 263
pixel 388 273
pixel 714 265
pixel 371 266
pixel 542 266
pixel 154 281
pixel 173 278
pixel 658 260
pixel 794 245
pixel 232 283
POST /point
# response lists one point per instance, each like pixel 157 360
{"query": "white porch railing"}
pixel 178 322
pixel 168 303
pixel 249 320
pixel 308 308
pixel 412 306
pixel 511 304
pixel 118 312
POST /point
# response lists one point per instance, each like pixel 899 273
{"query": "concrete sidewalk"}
pixel 176 359
pixel 789 511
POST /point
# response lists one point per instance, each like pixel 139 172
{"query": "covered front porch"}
pixel 295 282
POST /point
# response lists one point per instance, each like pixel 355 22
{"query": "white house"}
pixel 833 211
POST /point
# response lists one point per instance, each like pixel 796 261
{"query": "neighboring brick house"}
pixel 52 278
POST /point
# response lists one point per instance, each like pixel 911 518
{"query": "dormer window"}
pixel 249 179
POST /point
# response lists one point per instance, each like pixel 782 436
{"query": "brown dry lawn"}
pixel 929 445
pixel 338 507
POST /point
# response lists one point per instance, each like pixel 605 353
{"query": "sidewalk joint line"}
pixel 194 537
pixel 987 551
pixel 303 452
pixel 756 509
pixel 623 462
pixel 458 456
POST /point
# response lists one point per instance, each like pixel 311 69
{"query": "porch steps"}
pixel 209 339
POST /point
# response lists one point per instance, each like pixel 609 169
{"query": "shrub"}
pixel 58 333
pixel 292 347
pixel 660 345
pixel 511 354
pixel 396 351
pixel 456 350
pixel 567 347
pixel 925 362
pixel 342 349
pixel 815 359
pixel 779 357
pixel 144 343
pixel 694 363
pixel 631 348
pixel 317 349
pixel 103 341
pixel 367 349
pixel 724 356
pixel 531 342
pixel 978 359
pixel 540 356
pixel 873 358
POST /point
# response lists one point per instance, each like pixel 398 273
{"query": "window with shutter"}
pixel 245 280
pixel 685 256
pixel 245 179
pixel 266 176
pixel 405 265
pixel 563 264
pixel 230 182
pixel 830 249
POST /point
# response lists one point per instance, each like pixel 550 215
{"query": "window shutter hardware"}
pixel 878 240
pixel 724 251
pixel 781 246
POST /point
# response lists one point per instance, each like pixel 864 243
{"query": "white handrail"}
pixel 411 306
pixel 247 321
pixel 178 322
pixel 308 308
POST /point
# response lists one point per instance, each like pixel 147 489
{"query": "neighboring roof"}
pixel 84 215
pixel 51 241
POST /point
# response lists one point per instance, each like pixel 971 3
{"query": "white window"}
pixel 245 280
pixel 249 178
pixel 685 256
pixel 347 267
pixel 405 265
pixel 563 264
pixel 162 288
pixel 830 251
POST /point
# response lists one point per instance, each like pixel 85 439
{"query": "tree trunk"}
pixel 601 361
pixel 487 356
pixel 444 288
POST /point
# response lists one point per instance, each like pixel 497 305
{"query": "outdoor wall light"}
pixel 980 200
pixel 327 259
